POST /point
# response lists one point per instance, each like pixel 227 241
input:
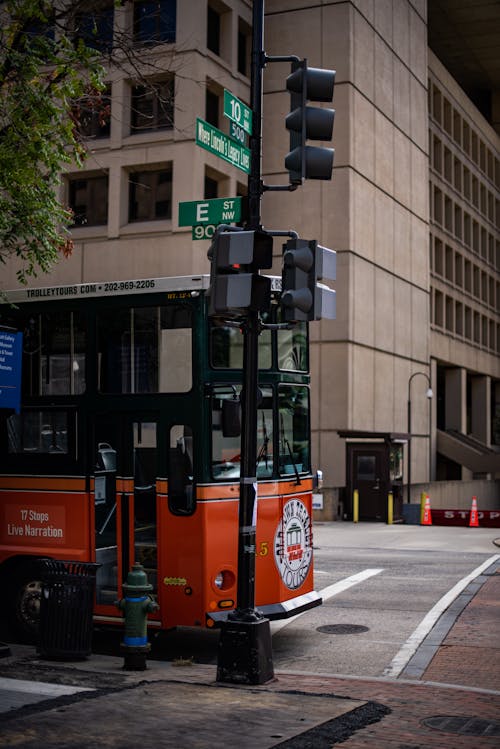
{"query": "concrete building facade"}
pixel 412 212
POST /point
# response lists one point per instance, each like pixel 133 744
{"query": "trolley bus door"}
pixel 145 472
pixel 125 501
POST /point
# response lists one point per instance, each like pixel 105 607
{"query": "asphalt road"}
pixel 397 575
pixel 380 583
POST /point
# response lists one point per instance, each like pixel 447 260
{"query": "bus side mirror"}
pixel 318 480
pixel 231 418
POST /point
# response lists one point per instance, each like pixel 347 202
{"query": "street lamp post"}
pixel 429 395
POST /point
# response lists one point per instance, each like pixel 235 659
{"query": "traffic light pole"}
pixel 245 650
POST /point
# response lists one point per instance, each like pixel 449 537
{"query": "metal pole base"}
pixel 245 652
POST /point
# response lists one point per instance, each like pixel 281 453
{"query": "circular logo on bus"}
pixel 293 544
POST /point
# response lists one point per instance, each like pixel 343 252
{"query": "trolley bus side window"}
pixel 42 431
pixel 145 349
pixel 53 352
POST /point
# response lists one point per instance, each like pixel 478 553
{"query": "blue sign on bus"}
pixel 11 345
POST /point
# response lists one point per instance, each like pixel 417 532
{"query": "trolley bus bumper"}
pixel 272 611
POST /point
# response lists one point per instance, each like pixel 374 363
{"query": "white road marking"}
pixel 409 648
pixel 336 588
pixel 40 687
pixel 329 592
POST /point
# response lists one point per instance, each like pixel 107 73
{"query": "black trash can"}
pixel 66 609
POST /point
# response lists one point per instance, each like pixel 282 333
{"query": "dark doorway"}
pixel 374 467
pixel 368 473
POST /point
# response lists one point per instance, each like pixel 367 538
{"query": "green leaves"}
pixel 42 74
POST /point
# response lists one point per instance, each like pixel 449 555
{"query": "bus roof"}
pixel 108 288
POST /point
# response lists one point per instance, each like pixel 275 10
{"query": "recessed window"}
pixel 88 199
pixel 458 269
pixel 150 195
pixel 211 188
pixel 95 28
pixel 213 30
pixel 212 108
pixel 92 114
pixel 152 106
pixel 459 323
pixel 438 308
pixel 244 47
pixel 154 21
pixel 468 323
pixel 37 29
pixel 438 257
pixel 449 306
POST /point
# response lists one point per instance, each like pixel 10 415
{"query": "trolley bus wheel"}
pixel 25 589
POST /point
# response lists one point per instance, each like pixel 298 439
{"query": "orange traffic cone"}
pixel 427 517
pixel 474 519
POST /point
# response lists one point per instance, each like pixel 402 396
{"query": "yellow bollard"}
pixel 355 506
pixel 423 497
pixel 390 508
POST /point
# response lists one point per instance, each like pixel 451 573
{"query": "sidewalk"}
pixel 452 699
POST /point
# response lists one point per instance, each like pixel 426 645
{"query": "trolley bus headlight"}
pixel 224 580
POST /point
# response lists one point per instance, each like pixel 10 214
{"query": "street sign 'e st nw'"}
pixel 216 211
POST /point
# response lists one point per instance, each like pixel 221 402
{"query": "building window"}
pixel 95 28
pixel 92 114
pixel 154 21
pixel 150 195
pixel 213 30
pixel 244 47
pixel 438 308
pixel 88 199
pixel 212 108
pixel 211 188
pixel 152 106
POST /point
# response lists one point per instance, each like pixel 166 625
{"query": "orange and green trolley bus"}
pixel 126 449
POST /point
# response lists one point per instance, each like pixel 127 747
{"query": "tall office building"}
pixel 406 380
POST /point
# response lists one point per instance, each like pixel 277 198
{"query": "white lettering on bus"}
pixel 47 532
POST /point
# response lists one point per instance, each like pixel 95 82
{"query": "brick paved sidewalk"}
pixel 409 704
pixel 468 656
pixel 470 653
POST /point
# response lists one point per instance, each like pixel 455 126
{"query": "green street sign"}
pixel 216 211
pixel 214 140
pixel 235 110
pixel 203 232
pixel 237 132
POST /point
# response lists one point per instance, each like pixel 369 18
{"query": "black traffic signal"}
pixel 314 123
pixel 235 284
pixel 302 297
